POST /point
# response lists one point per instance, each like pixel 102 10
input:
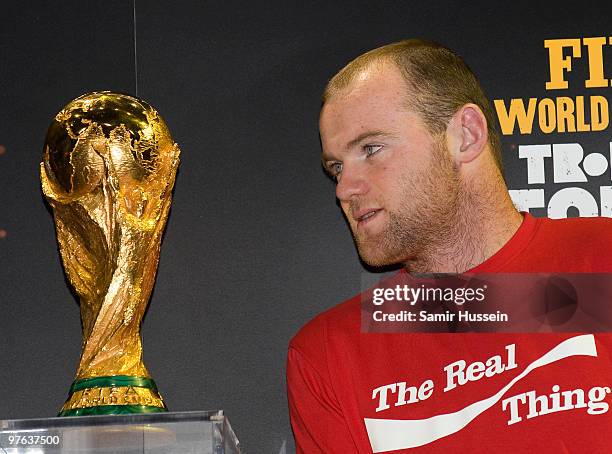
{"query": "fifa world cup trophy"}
pixel 108 171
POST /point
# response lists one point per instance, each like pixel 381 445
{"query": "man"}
pixel 409 137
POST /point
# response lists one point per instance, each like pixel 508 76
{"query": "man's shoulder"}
pixel 580 224
pixel 569 245
pixel 580 233
pixel 342 318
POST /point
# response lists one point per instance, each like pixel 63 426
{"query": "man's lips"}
pixel 365 215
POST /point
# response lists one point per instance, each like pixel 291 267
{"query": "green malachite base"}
pixel 113 381
pixel 112 410
pixel 113 395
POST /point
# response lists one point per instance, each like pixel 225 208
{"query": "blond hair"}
pixel 439 83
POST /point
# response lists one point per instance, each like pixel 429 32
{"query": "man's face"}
pixel 395 182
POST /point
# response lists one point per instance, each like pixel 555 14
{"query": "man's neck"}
pixel 478 228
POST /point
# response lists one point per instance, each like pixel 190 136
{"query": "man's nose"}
pixel 352 182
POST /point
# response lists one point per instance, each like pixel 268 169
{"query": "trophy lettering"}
pixel 108 169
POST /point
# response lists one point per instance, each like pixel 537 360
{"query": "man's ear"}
pixel 467 134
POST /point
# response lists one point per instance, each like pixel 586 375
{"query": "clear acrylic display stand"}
pixel 201 432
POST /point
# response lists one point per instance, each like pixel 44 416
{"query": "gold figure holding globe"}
pixel 108 170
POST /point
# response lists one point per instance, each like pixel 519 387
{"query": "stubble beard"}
pixel 426 215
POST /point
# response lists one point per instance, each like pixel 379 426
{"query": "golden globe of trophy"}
pixel 108 171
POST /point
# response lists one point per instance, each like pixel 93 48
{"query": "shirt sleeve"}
pixel 316 418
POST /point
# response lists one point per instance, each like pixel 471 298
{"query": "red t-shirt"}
pixel 415 392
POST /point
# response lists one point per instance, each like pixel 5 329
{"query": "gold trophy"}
pixel 108 171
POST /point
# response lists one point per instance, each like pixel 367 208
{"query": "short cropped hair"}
pixel 439 83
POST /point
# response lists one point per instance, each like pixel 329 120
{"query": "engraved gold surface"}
pixel 108 169
pixel 124 395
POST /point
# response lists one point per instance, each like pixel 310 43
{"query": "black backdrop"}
pixel 255 245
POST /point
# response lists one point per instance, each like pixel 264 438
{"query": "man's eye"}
pixel 334 168
pixel 371 149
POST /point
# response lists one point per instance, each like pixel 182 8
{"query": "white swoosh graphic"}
pixel 392 434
